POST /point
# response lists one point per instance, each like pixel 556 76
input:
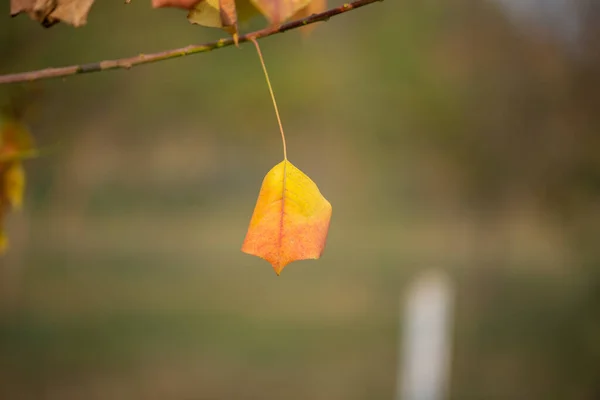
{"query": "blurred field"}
pixel 445 135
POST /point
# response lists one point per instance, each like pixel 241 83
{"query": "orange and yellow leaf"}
pixel 290 220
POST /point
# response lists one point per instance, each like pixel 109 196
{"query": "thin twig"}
pixel 126 63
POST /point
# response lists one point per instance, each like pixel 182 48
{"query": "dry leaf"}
pixel 49 12
pixel 279 11
pixel 290 220
pixel 208 13
pixel 220 13
pixel 229 18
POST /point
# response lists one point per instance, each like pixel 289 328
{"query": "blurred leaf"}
pixel 279 11
pixel 14 184
pixel 314 7
pixel 16 144
pixel 290 220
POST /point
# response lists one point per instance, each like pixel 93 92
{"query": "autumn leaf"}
pixel 291 217
pixel 50 12
pixel 290 220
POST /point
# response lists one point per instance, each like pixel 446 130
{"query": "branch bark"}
pixel 130 62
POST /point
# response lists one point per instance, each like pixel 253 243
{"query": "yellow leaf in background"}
pixel 11 195
pixel 291 218
pixel 16 144
pixel 279 11
pixel 14 184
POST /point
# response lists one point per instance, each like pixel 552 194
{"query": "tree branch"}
pixel 126 63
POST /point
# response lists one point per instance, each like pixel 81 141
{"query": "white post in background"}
pixel 426 338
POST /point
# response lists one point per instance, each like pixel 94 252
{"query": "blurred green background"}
pixel 462 135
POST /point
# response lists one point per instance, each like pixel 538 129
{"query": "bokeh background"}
pixel 460 135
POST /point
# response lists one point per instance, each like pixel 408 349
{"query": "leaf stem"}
pixel 264 67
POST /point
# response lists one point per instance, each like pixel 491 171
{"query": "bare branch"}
pixel 126 63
